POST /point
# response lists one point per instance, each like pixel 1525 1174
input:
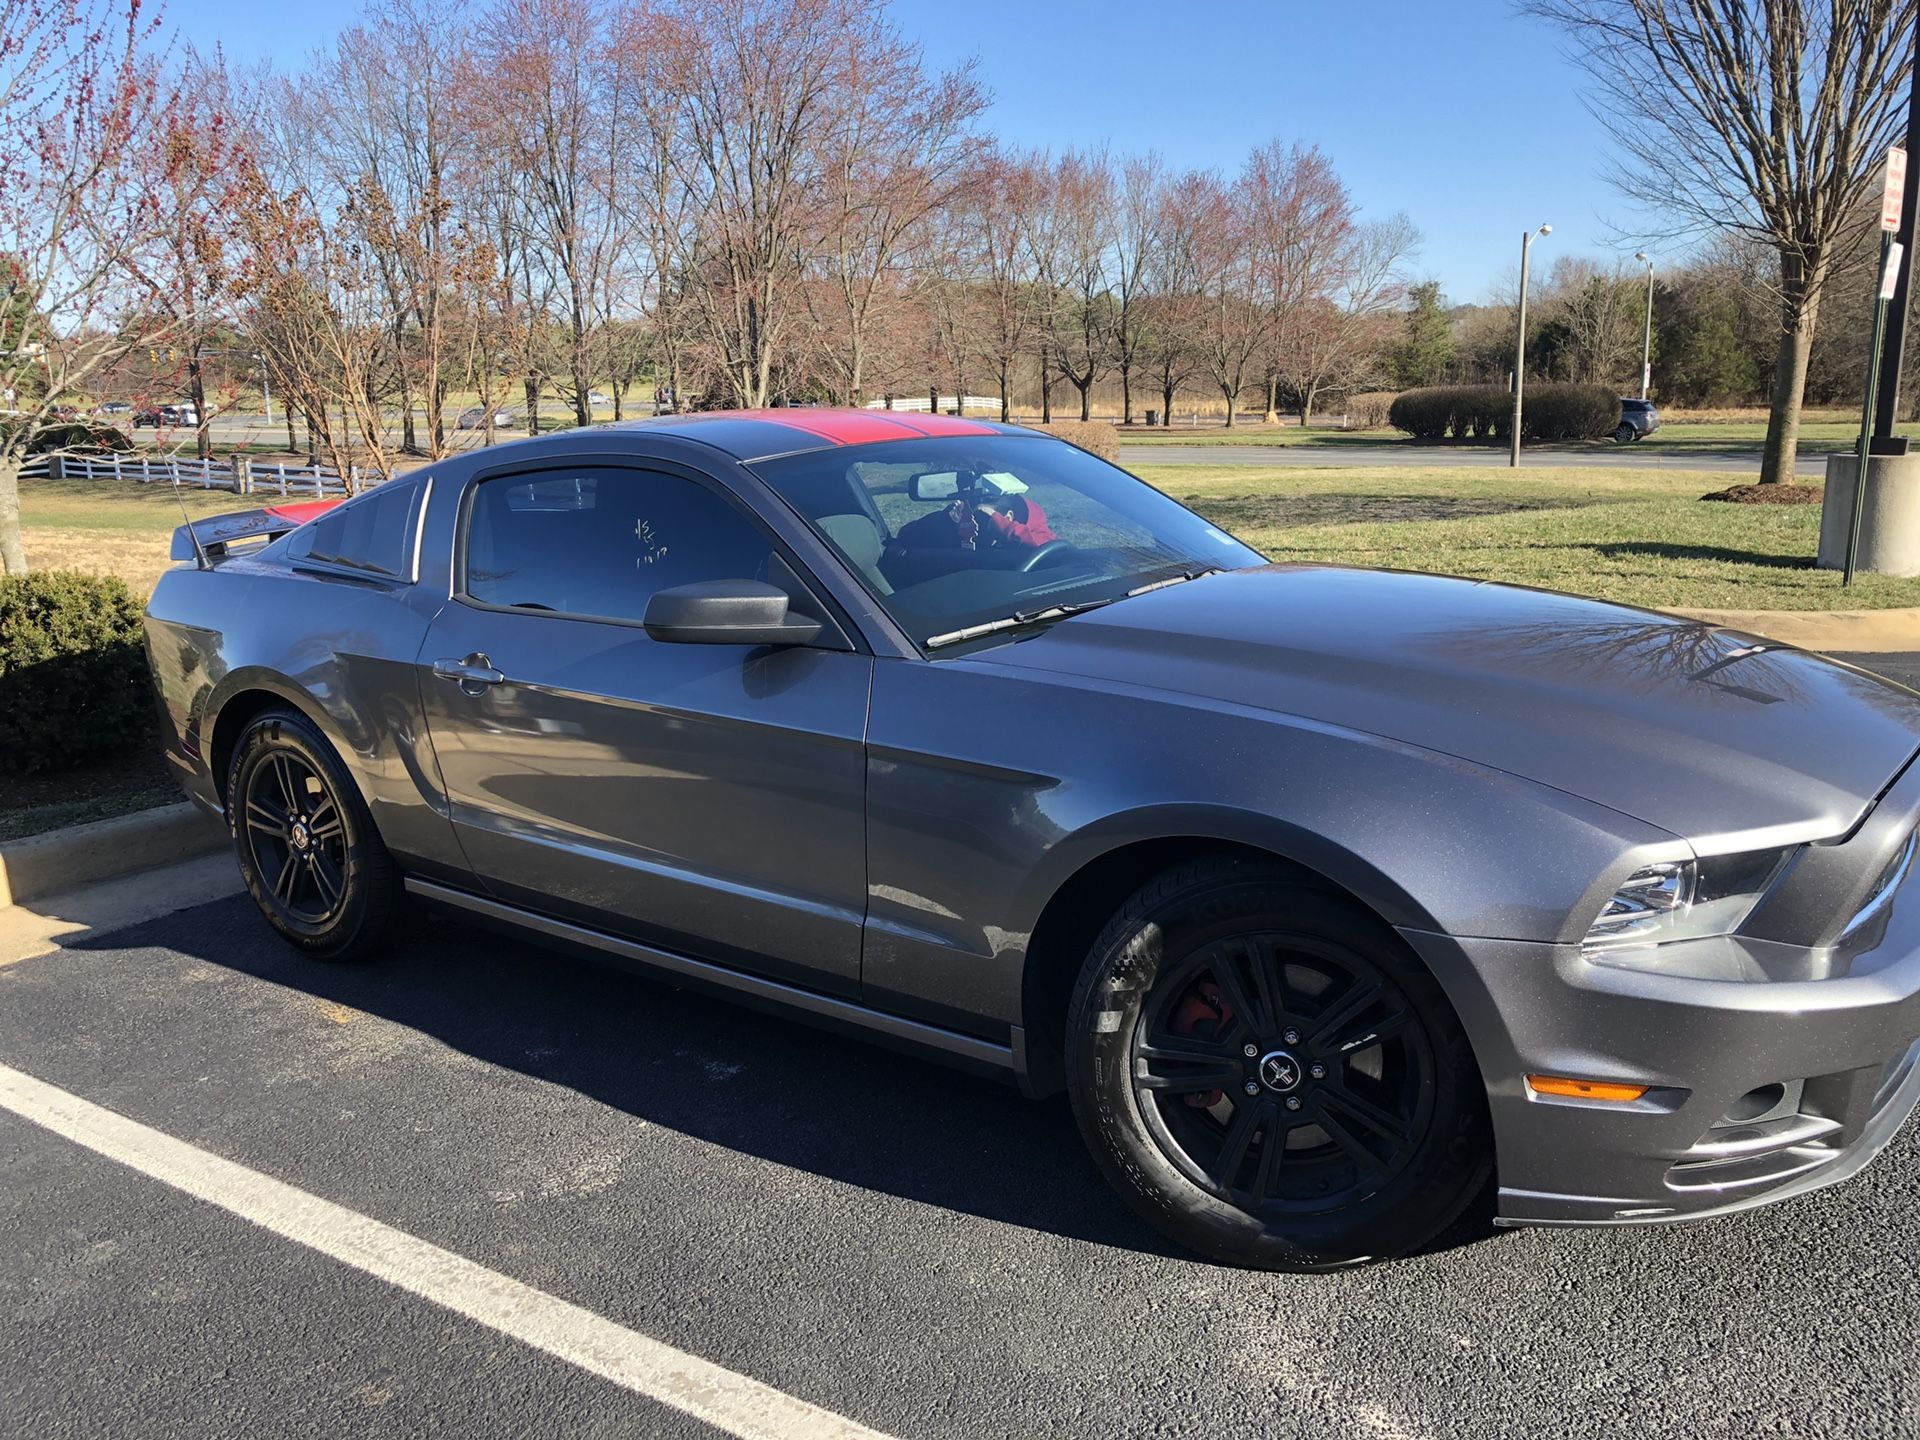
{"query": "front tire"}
pixel 1268 1075
pixel 308 850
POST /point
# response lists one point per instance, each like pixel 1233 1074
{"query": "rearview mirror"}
pixel 727 612
pixel 934 485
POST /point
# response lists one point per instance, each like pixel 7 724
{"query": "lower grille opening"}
pixel 1762 1140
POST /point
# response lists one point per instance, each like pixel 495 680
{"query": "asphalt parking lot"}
pixel 914 1250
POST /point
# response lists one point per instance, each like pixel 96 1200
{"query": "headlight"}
pixel 1685 899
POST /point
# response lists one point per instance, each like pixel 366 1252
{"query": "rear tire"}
pixel 1625 434
pixel 308 850
pixel 1366 1131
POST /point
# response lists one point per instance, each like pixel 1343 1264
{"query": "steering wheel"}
pixel 1040 553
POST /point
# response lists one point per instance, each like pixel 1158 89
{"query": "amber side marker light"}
pixel 1586 1089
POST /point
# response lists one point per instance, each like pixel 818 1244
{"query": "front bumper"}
pixel 1781 1060
pixel 1762 1089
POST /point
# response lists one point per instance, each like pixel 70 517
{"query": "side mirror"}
pixel 934 485
pixel 727 612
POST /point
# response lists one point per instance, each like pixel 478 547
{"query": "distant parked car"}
pixel 475 419
pixel 1638 419
pixel 114 407
pixel 162 416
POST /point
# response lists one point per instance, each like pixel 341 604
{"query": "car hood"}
pixel 1708 733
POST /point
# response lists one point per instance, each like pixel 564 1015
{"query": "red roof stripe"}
pixel 862 427
pixel 301 511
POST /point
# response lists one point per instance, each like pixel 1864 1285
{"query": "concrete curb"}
pixel 1843 630
pixel 105 850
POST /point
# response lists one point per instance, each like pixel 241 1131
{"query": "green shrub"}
pixel 1485 412
pixel 73 672
pixel 1095 435
pixel 1570 412
pixel 73 437
pixel 1467 412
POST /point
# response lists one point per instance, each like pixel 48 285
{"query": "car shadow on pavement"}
pixel 760 1084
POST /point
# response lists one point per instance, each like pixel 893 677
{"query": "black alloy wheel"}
pixel 1268 1074
pixel 298 839
pixel 306 842
pixel 1281 1073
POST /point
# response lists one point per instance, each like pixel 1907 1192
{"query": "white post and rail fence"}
pixel 240 475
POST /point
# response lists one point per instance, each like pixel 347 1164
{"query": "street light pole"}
pixel 1520 341
pixel 1646 346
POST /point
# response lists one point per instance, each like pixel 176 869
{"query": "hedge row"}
pixel 73 670
pixel 1095 435
pixel 1485 412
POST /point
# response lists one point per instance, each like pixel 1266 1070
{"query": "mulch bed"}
pixel 1788 494
pixel 34 802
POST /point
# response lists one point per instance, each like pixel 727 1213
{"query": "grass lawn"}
pixel 108 529
pixel 1637 536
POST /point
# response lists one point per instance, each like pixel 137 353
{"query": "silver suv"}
pixel 1638 419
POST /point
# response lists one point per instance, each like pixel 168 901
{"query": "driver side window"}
pixel 601 542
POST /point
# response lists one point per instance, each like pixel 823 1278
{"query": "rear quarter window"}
pixel 371 533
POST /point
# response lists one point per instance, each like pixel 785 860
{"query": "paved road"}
pixel 1630 457
pixel 925 1253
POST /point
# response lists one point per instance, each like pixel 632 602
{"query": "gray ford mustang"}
pixel 1327 895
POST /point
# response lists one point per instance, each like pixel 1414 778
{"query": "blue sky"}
pixel 1459 112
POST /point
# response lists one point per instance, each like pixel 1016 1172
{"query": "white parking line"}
pixel 730 1402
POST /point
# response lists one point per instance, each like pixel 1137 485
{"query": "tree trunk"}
pixel 1272 417
pixel 1086 399
pixel 1126 394
pixel 1166 403
pixel 531 388
pixel 1231 393
pixel 197 392
pixel 1046 387
pixel 1799 309
pixel 293 441
pixel 13 553
pixel 1306 406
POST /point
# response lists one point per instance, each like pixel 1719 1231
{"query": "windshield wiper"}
pixel 1179 579
pixel 1018 618
pixel 1060 612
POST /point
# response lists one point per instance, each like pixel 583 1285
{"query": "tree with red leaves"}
pixel 96 145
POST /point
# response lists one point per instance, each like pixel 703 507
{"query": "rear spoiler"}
pixel 212 537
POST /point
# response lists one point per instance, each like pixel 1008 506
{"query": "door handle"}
pixel 473 674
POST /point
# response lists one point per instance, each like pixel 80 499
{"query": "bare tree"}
pixel 1338 338
pixel 1138 232
pixel 388 123
pixel 759 85
pixel 1758 117
pixel 896 150
pixel 545 78
pixel 1083 225
pixel 1228 272
pixel 996 207
pixel 1172 309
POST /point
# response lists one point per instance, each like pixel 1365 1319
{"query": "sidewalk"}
pixel 52 922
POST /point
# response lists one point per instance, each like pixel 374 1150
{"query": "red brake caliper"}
pixel 1202 1013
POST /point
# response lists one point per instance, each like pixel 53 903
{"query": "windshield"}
pixel 953 533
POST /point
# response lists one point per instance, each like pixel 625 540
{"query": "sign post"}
pixel 1892 195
